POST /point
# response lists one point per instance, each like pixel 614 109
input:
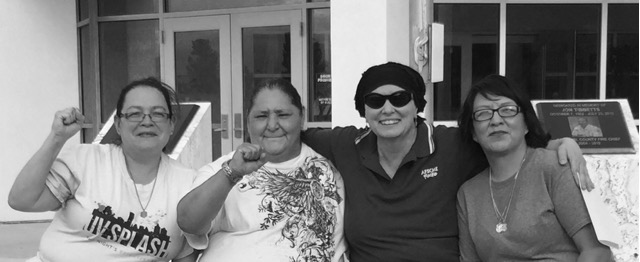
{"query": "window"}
pixel 121 41
pixel 128 51
pixel 126 7
pixel 555 57
pixel 471 52
pixel 551 50
pixel 83 10
pixel 194 5
pixel 320 66
pixel 89 91
pixel 622 54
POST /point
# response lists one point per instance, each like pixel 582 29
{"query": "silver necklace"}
pixel 144 208
pixel 502 217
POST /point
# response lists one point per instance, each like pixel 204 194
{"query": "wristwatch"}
pixel 233 177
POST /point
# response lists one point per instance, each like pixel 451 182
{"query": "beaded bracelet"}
pixel 233 178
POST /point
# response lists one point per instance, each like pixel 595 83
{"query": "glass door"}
pixel 198 61
pixel 222 58
pixel 264 46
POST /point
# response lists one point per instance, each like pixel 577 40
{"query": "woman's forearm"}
pixel 29 186
pixel 199 207
pixel 569 152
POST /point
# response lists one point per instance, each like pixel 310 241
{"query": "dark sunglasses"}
pixel 397 99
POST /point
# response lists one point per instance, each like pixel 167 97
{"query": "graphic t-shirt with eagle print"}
pixel 289 211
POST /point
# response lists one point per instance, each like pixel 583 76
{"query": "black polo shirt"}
pixel 413 216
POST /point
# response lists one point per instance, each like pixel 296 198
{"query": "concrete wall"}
pixel 39 75
pixel 364 33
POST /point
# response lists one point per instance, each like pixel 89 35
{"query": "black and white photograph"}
pixel 319 130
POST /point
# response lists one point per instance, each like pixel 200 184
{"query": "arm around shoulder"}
pixel 569 152
pixel 322 140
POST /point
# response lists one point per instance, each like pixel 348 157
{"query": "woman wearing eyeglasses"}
pixel 112 202
pixel 525 206
pixel 401 174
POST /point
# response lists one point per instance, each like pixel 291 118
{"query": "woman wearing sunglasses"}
pixel 401 174
pixel 525 205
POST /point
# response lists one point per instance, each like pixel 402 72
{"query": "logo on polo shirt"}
pixel 429 172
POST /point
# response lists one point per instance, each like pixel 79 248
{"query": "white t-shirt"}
pixel 100 218
pixel 289 211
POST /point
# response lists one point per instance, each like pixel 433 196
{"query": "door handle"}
pixel 237 125
pixel 222 127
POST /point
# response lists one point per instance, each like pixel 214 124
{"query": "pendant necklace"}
pixel 502 217
pixel 144 208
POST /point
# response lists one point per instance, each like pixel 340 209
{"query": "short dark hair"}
pixel 277 84
pixel 170 96
pixel 501 86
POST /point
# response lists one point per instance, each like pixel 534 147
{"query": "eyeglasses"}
pixel 397 99
pixel 503 111
pixel 157 117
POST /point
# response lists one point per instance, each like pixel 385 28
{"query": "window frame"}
pixel 92 75
pixel 502 42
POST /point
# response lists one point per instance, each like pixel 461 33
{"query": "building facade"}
pixel 80 53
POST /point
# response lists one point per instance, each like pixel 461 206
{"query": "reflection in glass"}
pixel 126 7
pixel 320 66
pixel 128 51
pixel 470 52
pixel 197 58
pixel 196 5
pixel 553 50
pixel 88 86
pixel 622 54
pixel 266 54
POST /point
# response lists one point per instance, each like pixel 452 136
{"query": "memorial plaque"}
pixel 597 126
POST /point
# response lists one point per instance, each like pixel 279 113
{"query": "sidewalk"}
pixel 19 241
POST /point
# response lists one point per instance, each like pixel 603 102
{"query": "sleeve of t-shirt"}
pixel 204 173
pixel 64 177
pixel 568 203
pixel 466 245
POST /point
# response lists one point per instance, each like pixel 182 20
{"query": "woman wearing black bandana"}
pixel 401 174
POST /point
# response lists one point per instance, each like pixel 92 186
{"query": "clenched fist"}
pixel 67 122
